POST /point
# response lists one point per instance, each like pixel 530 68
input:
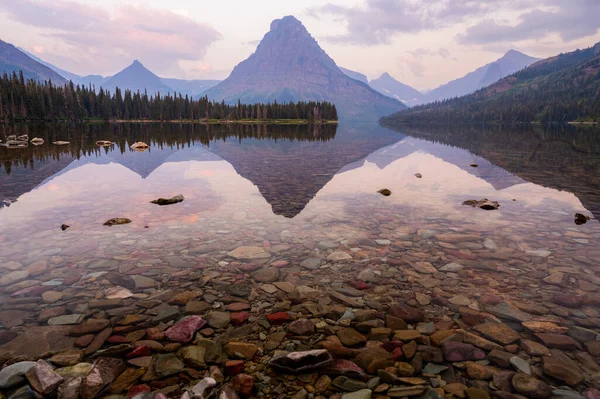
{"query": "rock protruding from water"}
pixel 485 204
pixel 117 221
pixel 168 201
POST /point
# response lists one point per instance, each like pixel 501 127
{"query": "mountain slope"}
pixel 355 75
pixel 192 88
pixel 390 87
pixel 510 63
pixel 289 65
pixel 558 89
pixel 137 77
pixel 65 74
pixel 14 60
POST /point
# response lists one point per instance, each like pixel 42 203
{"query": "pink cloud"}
pixel 92 39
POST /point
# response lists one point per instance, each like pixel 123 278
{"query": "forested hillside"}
pixel 564 88
pixel 30 100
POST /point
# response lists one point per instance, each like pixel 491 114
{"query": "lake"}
pixel 289 219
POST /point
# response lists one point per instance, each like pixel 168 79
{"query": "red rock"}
pixel 48 313
pixel 137 389
pixel 440 300
pixel 280 263
pixel 237 306
pixel 207 332
pixel 154 334
pixel 346 368
pixel 471 317
pixel 143 350
pixel 390 346
pixel 406 313
pixel 185 329
pixel 242 384
pixel 360 285
pixel 239 318
pixel 234 366
pixel 593 347
pixel 84 340
pixel 278 318
pixel 118 339
pixel 92 326
pixel 249 267
pixel 460 352
pixel 558 341
pixel 397 353
pixel 490 299
pixel 37 290
pixel 567 300
pixel 591 298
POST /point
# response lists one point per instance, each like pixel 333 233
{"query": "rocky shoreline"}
pixel 418 325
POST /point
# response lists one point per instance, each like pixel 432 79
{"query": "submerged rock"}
pixel 139 146
pixel 117 221
pixel 485 204
pixel 581 219
pixel 385 192
pixel 168 201
pixel 301 362
pixel 14 374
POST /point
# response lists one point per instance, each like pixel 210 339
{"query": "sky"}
pixel 423 43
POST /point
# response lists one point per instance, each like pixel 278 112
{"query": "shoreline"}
pixel 187 121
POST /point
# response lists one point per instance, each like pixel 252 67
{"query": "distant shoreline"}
pixel 187 121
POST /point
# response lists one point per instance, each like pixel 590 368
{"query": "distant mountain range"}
pixel 564 88
pixel 135 77
pixel 289 65
pixel 510 63
pixel 389 86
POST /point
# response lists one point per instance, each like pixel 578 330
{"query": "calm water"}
pixel 300 193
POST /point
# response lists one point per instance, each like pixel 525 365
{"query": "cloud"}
pixel 95 39
pixel 378 21
pixel 569 20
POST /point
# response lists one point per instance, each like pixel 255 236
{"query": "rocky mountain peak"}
pixel 289 65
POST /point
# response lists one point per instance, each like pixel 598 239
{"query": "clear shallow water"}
pixel 294 194
pixel 293 187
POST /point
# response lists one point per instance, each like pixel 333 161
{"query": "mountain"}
pixel 14 60
pixel 390 87
pixel 355 75
pixel 289 65
pixel 192 88
pixel 563 88
pixel 137 77
pixel 510 63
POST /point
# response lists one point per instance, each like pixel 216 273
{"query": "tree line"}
pixel 29 100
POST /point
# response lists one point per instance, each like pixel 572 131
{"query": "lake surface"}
pixel 306 201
